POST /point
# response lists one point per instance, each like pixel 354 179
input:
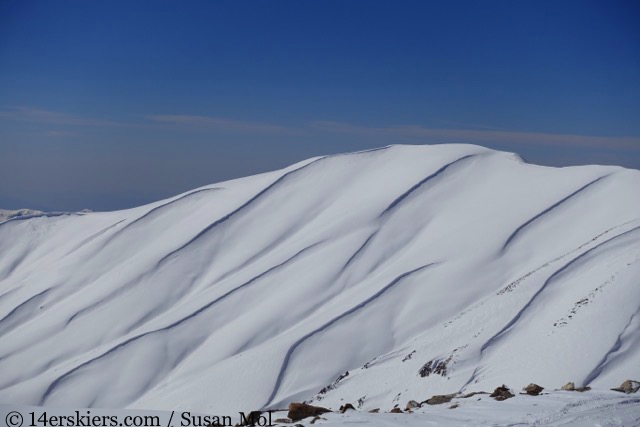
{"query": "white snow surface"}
pixel 260 291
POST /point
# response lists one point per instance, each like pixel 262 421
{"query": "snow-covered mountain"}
pixel 420 270
pixel 8 214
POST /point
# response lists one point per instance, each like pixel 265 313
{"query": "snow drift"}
pixel 420 270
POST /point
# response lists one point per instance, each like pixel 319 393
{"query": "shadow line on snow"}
pixel 549 209
pixel 257 196
pixel 259 255
pixel 16 313
pixel 60 380
pixel 235 211
pixel 16 263
pixel 94 236
pixel 359 250
pixel 158 208
pixel 512 322
pixel 595 373
pixel 407 193
pixel 547 264
pixel 352 310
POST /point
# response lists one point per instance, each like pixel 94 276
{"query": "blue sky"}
pixel 108 105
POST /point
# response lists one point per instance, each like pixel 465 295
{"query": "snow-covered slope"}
pixel 419 269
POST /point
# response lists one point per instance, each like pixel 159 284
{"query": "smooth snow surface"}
pixel 259 291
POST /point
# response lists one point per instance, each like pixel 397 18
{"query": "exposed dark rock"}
pixel 374 411
pixel 396 411
pixel 283 420
pixel 439 399
pixel 629 386
pixel 344 408
pixel 454 406
pixel 299 411
pixel 409 356
pixel 412 404
pixel 438 367
pixel 582 389
pixel 533 389
pixel 502 393
pixel 568 387
pixel 334 384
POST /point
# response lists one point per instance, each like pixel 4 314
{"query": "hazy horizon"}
pixel 114 105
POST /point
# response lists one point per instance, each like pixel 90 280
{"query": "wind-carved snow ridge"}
pixel 21 313
pixel 408 193
pixel 61 379
pixel 352 310
pixel 551 278
pixel 236 211
pixel 156 209
pixel 549 209
pixel 616 347
pixel 263 290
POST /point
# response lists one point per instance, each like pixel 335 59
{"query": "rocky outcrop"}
pixel 438 367
pixel 299 411
pixel 439 399
pixel 629 386
pixel 572 387
pixel 568 387
pixel 334 384
pixel 412 404
pixel 344 408
pixel 533 389
pixel 502 393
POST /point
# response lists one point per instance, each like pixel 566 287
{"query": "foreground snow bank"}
pixel 593 408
